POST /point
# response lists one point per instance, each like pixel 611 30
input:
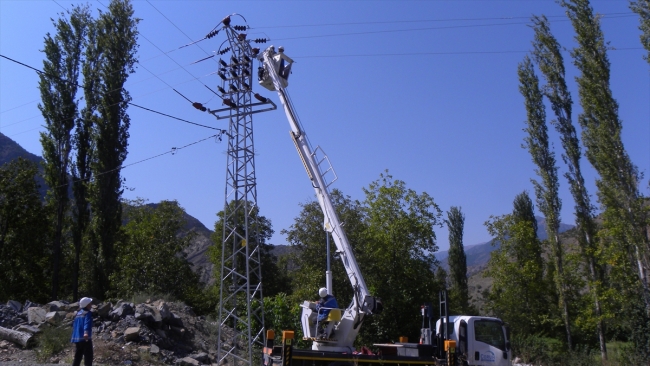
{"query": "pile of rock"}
pixel 171 332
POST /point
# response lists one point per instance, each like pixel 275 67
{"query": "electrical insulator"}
pixel 234 60
pixel 213 33
pixel 260 40
pixel 248 59
pixel 234 73
pixel 223 62
pixel 246 72
pixel 222 90
pixel 226 21
pixel 255 51
pixel 222 76
pixel 199 106
pixel 241 36
pixel 229 103
pixel 224 50
pixel 233 88
pixel 240 27
pixel 260 98
pixel 248 87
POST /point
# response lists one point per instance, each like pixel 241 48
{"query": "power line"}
pixel 130 83
pixel 443 53
pixel 59 5
pixel 22 105
pixel 180 30
pixel 416 29
pixel 172 151
pixel 421 21
pixel 166 54
pixel 21 132
pixel 180 119
pixel 135 105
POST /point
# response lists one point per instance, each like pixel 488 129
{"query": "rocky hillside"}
pixel 196 252
pixel 10 150
pixel 151 332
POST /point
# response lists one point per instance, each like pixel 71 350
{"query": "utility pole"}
pixel 240 307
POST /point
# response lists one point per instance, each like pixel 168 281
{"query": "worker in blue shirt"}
pixel 82 332
pixel 326 303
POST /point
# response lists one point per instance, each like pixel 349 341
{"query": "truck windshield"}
pixel 490 332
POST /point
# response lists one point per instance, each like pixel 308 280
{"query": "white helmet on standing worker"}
pixel 322 292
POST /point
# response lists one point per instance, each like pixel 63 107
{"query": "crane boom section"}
pixel 274 76
pixel 273 63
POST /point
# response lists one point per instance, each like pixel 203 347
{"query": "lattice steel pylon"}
pixel 241 308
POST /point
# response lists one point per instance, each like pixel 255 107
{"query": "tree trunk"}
pixel 21 338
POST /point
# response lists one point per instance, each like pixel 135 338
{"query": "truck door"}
pixel 462 338
pixel 487 343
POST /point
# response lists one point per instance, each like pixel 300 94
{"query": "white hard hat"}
pixel 322 292
pixel 84 302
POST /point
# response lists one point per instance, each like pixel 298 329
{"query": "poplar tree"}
pixel 549 59
pixel 546 192
pixel 81 168
pixel 116 44
pixel 642 7
pixel 457 260
pixel 519 291
pixel 625 219
pixel 58 87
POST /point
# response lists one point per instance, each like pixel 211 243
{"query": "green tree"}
pixel 459 295
pixel 309 258
pixel 625 218
pixel 281 313
pixel 392 237
pixel 58 86
pixel 519 293
pixel 81 168
pixel 24 257
pixel 398 256
pixel 548 57
pixel 274 278
pixel 150 257
pixel 116 42
pixel 642 7
pixel 548 199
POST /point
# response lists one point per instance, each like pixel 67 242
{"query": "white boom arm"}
pixel 274 76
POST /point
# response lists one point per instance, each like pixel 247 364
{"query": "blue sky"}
pixel 425 89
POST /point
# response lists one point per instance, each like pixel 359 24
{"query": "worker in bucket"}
pixel 326 303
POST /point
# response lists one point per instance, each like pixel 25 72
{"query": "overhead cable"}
pixel 422 21
pixel 418 29
pixel 172 151
pixel 135 105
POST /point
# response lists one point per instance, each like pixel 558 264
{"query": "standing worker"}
pixel 326 303
pixel 82 332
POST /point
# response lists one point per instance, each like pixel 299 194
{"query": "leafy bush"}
pixel 537 349
pixel 52 341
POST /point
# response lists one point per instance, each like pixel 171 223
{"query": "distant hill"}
pixel 479 254
pixel 10 150
pixel 196 252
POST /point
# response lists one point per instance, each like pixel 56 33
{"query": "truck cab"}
pixel 480 340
